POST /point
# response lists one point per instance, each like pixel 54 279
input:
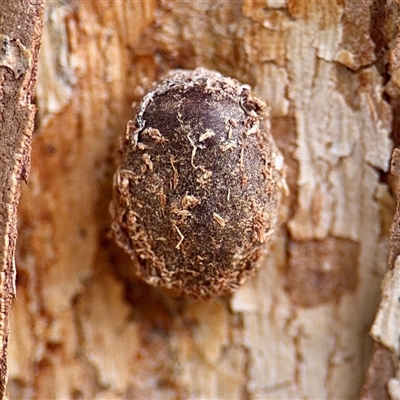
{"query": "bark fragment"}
pixel 20 30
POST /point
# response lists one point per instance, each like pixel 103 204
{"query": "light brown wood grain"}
pixel 88 328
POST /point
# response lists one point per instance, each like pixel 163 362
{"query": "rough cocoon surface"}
pixel 199 184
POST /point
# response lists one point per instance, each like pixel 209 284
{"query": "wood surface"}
pixel 83 326
pixel 20 31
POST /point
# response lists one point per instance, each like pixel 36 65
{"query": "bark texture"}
pixel 383 376
pixel 83 327
pixel 20 31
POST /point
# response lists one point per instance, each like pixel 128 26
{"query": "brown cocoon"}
pixel 199 184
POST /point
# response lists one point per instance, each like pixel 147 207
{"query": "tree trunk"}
pixel 20 30
pixel 82 326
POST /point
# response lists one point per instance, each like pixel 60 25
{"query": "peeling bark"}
pixel 383 375
pixel 88 328
pixel 20 30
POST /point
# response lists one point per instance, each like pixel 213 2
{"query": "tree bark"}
pixel 20 31
pixel 84 327
pixel 383 375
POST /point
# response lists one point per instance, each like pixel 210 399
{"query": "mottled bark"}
pixel 383 375
pixel 20 30
pixel 84 327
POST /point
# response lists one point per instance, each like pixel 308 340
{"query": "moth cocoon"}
pixel 199 184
